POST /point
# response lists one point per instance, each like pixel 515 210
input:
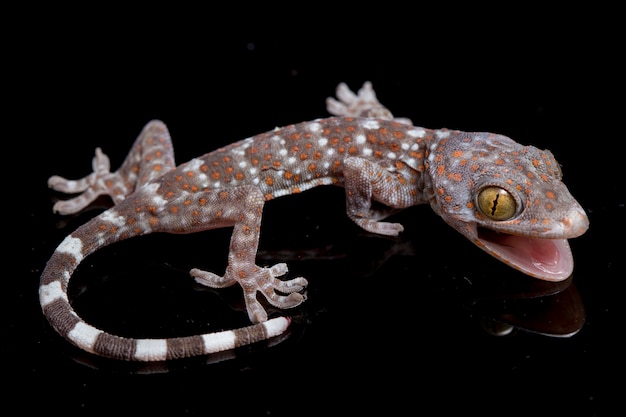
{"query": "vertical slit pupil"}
pixel 495 204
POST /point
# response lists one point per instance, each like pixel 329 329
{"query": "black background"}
pixel 390 325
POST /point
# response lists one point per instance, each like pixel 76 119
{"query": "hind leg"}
pixel 150 156
pixel 242 208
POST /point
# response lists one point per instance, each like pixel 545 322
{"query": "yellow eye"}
pixel 496 203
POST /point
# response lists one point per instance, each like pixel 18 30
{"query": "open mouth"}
pixel 548 259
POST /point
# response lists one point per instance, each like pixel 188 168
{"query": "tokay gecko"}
pixel 506 198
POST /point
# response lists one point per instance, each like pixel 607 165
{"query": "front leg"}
pixel 366 181
pixel 362 104
pixel 243 208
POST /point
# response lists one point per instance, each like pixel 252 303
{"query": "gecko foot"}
pixel 362 104
pixel 90 187
pixel 279 293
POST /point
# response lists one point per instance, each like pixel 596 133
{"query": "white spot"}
pixel 282 152
pixel 253 171
pixel 367 151
pixel 418 132
pixel 330 152
pixel 242 164
pixel 51 292
pixel 371 124
pixel 217 342
pixel 405 146
pixel 322 142
pixel 391 155
pixel 72 246
pixel 326 165
pixel 217 184
pixel 255 180
pixel 151 349
pixel 314 127
pixel 114 218
pixel 84 335
pixel 156 198
pixel 193 165
pixel 281 192
pixel 291 160
pixel 276 138
pixel 442 133
pixel 360 139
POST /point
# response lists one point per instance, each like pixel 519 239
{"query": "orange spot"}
pixel 153 221
pixel 312 167
pixel 455 176
pixel 303 156
pixel 550 194
pixel 457 153
pixel 269 181
pixel 215 175
pixel 295 190
pixel 441 170
pixel 470 205
pixel 187 202
pixel 190 174
pixel 174 209
pixel 239 176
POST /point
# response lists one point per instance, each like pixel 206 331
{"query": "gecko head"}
pixel 508 199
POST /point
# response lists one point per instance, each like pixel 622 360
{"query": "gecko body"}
pixel 506 198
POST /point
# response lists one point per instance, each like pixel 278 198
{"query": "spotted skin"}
pixel 365 150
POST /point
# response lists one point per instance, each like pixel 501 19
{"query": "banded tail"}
pixel 57 309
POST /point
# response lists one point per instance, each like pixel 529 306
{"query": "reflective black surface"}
pixel 425 320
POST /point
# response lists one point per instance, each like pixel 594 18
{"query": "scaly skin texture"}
pixel 506 198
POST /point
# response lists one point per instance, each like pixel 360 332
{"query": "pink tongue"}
pixel 542 252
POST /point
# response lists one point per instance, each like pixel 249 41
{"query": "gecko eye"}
pixel 496 203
